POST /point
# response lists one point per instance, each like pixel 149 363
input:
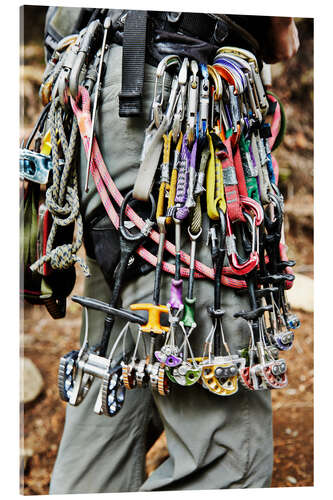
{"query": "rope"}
pixel 62 196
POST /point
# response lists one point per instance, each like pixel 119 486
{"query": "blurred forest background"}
pixel 44 340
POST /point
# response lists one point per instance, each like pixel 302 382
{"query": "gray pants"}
pixel 214 442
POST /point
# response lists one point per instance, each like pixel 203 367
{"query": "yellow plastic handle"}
pixel 154 317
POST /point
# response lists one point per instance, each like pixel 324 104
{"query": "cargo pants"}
pixel 214 442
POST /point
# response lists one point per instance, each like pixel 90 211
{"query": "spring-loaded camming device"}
pixel 219 373
pixel 170 350
pixel 187 373
pixel 154 371
pixel 78 369
pixel 95 356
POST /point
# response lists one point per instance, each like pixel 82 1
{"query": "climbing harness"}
pixel 206 162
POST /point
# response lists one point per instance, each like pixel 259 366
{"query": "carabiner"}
pixel 234 69
pixel 62 84
pixel 192 108
pixel 145 230
pixel 251 59
pixel 180 101
pixel 218 86
pixel 157 105
pixel 247 266
pixel 204 100
pixel 228 76
pixel 94 30
pixel 250 203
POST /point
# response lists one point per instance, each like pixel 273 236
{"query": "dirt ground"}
pixel 44 340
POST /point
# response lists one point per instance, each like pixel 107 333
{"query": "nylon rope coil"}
pixel 62 196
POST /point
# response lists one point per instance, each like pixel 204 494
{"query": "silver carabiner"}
pixel 76 73
pixel 62 84
pixel 204 99
pixel 193 93
pixel 181 100
pixel 158 99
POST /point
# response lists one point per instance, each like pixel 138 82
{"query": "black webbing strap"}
pixel 198 25
pixel 134 50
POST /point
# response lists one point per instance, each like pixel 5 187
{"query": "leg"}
pixel 99 453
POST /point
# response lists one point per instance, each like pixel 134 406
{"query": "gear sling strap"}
pixel 134 50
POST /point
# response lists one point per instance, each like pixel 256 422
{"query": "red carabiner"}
pixel 247 266
pixel 249 203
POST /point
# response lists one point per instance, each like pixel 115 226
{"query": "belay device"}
pixel 207 152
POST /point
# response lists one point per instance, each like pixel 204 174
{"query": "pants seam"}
pixel 247 421
pixel 141 466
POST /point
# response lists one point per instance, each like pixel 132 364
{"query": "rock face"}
pixel 31 382
pixel 300 295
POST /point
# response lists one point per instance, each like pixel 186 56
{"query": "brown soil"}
pixel 44 340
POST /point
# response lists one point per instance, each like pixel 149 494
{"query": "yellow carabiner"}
pixel 214 184
pixel 218 86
